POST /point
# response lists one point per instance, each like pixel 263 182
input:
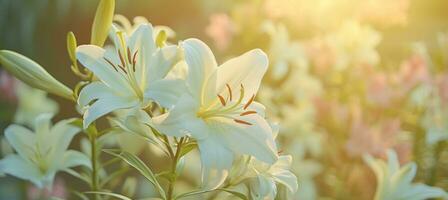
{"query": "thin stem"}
pixel 94 160
pixel 173 168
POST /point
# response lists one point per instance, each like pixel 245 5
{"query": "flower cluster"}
pixel 176 97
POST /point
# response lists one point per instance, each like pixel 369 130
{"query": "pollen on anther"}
pixel 242 122
pixel 249 102
pixel 129 55
pixel 230 91
pixel 248 113
pixel 111 64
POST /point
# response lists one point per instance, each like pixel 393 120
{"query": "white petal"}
pixel 92 57
pixel 263 188
pixel 16 166
pixel 421 192
pixel 93 91
pixel 105 106
pixel 247 69
pixel 42 126
pixel 256 139
pixel 182 120
pixel 75 158
pixel 166 92
pixel 21 139
pixel 202 67
pixel 281 173
pixel 162 61
pixel 141 41
pixel 60 137
pixel 216 161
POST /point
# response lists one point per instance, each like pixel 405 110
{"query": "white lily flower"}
pixel 220 112
pixel 31 103
pixel 395 182
pixel 263 186
pixel 42 154
pixel 130 77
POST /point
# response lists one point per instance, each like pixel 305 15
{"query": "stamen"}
pixel 111 64
pixel 129 55
pixel 242 122
pixel 122 69
pixel 230 91
pixel 121 59
pixel 134 58
pixel 249 102
pixel 248 113
pixel 223 102
pixel 280 151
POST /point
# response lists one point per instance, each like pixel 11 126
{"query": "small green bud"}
pixel 102 22
pixel 71 46
pixel 33 74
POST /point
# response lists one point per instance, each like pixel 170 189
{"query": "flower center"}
pixel 228 108
pixel 127 64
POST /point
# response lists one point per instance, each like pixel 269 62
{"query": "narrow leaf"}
pixel 138 164
pixel 118 196
pixel 237 194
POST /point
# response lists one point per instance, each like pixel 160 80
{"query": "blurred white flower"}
pixel 263 185
pixel 220 112
pixel 42 154
pixel 395 182
pixel 131 76
pixel 31 103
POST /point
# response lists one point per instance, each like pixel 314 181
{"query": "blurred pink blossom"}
pixel 7 87
pixel 58 190
pixel 221 29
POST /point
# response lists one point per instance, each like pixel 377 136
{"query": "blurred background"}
pixel 346 78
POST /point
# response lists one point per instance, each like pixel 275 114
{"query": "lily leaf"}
pixel 138 164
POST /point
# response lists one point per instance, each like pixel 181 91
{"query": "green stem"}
pixel 173 169
pixel 94 160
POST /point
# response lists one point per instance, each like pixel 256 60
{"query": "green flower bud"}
pixel 102 22
pixel 33 74
pixel 161 38
pixel 71 46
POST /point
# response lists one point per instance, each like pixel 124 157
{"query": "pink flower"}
pixel 7 87
pixel 58 190
pixel 221 29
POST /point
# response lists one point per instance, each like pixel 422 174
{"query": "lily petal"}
pixel 75 158
pixel 141 41
pixel 182 120
pixel 201 70
pixel 21 139
pixel 216 161
pixel 105 106
pixel 166 92
pixel 92 57
pixel 256 140
pixel 282 175
pixel 247 69
pixel 93 91
pixel 162 61
pixel 17 166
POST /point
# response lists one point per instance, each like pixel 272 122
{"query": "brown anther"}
pixel 129 55
pixel 248 113
pixel 134 58
pixel 230 91
pixel 121 59
pixel 111 64
pixel 249 102
pixel 223 102
pixel 122 69
pixel 242 122
pixel 280 151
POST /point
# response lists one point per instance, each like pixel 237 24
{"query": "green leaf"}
pixel 118 196
pixel 138 164
pixel 235 193
pixel 102 22
pixel 192 193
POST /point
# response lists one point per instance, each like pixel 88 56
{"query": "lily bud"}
pixel 71 46
pixel 102 22
pixel 33 74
